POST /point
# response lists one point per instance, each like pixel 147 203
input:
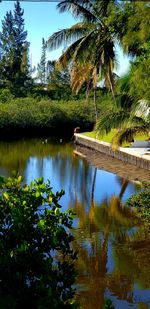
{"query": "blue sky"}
pixel 43 19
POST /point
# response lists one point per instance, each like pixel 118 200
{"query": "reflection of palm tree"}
pixel 93 184
pixel 124 185
pixel 97 228
pixel 92 210
pixel 137 255
pixel 109 220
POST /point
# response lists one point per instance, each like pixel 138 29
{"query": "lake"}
pixel 113 247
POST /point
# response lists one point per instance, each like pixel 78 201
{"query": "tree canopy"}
pixel 14 62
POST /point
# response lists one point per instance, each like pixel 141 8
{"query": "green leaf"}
pixel 6 196
pixel 37 194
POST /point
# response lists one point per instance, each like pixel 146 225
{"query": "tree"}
pixel 58 78
pixel 6 43
pixel 59 81
pixel 140 77
pixel 42 66
pixel 128 115
pixel 36 258
pixel 90 41
pixel 14 64
pixel 131 25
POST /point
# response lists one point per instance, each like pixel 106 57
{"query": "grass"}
pixel 108 137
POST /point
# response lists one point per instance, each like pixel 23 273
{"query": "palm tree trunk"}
pixel 87 90
pixel 95 105
pixel 109 75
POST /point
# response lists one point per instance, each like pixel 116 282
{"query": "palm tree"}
pixel 85 73
pixel 91 42
pixel 127 115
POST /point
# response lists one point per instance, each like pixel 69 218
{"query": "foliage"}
pixel 128 115
pixel 53 93
pixel 28 113
pixel 91 49
pixel 131 24
pixel 14 62
pixel 141 201
pixel 36 257
pixel 59 79
pixel 5 95
pixel 90 42
pixel 140 77
pixel 42 66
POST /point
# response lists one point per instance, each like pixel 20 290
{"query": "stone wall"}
pixel 105 148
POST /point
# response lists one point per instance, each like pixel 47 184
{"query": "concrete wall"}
pixel 121 154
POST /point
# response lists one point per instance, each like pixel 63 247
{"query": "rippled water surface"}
pixel 114 252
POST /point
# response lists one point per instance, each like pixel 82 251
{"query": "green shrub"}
pixel 5 96
pixel 36 257
pixel 28 113
pixel 142 202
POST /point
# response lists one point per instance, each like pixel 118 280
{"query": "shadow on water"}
pixel 113 247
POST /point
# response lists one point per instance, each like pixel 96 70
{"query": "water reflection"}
pixel 113 249
pixel 114 259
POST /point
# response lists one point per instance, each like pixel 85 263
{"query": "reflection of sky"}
pixel 110 261
pixel 73 174
pixel 50 170
pixel 107 185
pixel 73 180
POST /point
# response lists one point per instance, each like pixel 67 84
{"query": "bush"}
pixel 29 114
pixel 142 202
pixel 5 96
pixel 36 258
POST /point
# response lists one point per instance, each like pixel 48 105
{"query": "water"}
pixel 113 249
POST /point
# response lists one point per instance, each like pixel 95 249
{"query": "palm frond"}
pixel 142 108
pixel 79 9
pixel 80 74
pixel 106 59
pixel 102 7
pixel 111 120
pixel 127 134
pixel 138 121
pixel 67 56
pixel 84 49
pixel 66 36
pixel 124 83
